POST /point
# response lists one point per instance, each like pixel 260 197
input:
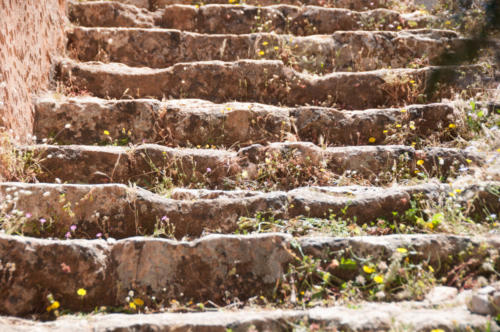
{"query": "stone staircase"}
pixel 258 166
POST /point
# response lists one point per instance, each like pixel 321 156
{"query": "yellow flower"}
pixel 458 191
pixel 138 302
pixel 398 126
pixel 265 43
pixel 452 125
pixel 412 82
pixel 402 250
pixel 132 305
pixel 372 140
pixel 261 53
pixel 276 48
pixel 400 27
pixel 403 111
pixel 447 22
pixel 82 292
pixel 431 269
pixel 53 306
pixel 437 330
pixel 451 194
pixel 420 162
pixel 385 131
pixel 378 279
pixel 468 161
pixel 106 133
pixel 368 269
pixel 244 174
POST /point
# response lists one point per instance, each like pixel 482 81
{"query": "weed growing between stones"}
pixel 15 164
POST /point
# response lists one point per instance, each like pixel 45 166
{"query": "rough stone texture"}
pixel 342 51
pixel 24 71
pixel 266 81
pixel 198 122
pixel 485 301
pixel 369 316
pixel 215 267
pixel 33 268
pixel 306 20
pixel 437 249
pixel 148 163
pixel 118 211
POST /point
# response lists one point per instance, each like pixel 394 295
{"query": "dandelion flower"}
pixel 138 302
pixel 402 250
pixel 265 43
pixel 403 111
pixel 261 53
pixel 368 269
pixel 378 279
pixel 452 125
pixel 420 162
pixel 106 133
pixel 81 292
pixel 372 140
pixel 132 305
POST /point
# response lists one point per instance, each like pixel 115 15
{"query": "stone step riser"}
pixel 345 51
pixel 195 122
pixel 241 20
pixel 376 316
pixel 148 165
pixel 213 268
pixel 120 212
pixel 267 81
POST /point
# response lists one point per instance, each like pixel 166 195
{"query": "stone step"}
pixel 275 166
pixel 216 268
pixel 367 316
pixel 192 122
pixel 342 51
pixel 267 81
pixel 118 211
pixel 230 19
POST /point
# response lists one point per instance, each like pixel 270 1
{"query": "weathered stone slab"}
pixel 266 81
pixel 342 51
pixel 198 122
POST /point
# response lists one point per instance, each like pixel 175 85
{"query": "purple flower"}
pixel 73 228
pixel 164 218
pixel 98 235
pixel 68 235
pixel 28 215
pixel 43 221
pixel 209 169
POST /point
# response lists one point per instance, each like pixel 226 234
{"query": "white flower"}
pixel 67 126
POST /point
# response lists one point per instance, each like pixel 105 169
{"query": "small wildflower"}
pixel 372 140
pixel 265 43
pixel 368 269
pixel 402 250
pixel 451 194
pixel 378 279
pixel 468 161
pixel 412 82
pixel 28 215
pixel 67 126
pixel 403 111
pixel 399 27
pixel 98 235
pixel 73 228
pixel 276 48
pixel 437 330
pixel 398 125
pixel 164 218
pixel 81 292
pixel 68 235
pixel 139 302
pixel 53 306
pixel 244 174
pixel 261 53
pixel 431 269
pixel 420 162
pixel 452 125
pixel 458 191
pixel 132 305
pixel 209 169
pixel 385 131
pixel 106 133
pixel 43 221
